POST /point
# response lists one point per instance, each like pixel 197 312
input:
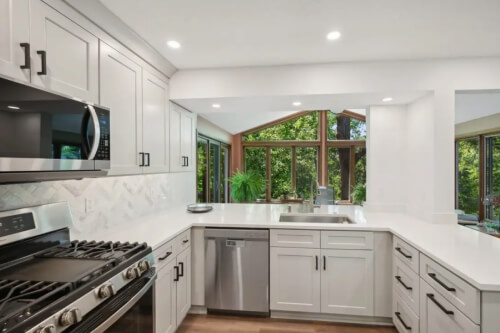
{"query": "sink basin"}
pixel 315 218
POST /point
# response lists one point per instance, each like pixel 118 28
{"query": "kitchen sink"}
pixel 315 218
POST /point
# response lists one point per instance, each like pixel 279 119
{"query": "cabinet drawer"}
pixel 403 317
pixel 456 291
pixel 407 284
pixel 182 242
pixel 295 238
pixel 347 240
pixel 439 315
pixel 164 254
pixel 407 253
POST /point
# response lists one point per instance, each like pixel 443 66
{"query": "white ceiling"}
pixel 470 105
pixel 223 33
pixel 239 114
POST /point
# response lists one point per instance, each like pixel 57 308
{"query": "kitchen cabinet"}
pixel 165 299
pixel 64 55
pixel 121 91
pixel 155 123
pixel 14 31
pixel 182 139
pixel 295 279
pixel 347 282
pixel 183 285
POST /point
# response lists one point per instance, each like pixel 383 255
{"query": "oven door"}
pixel 131 310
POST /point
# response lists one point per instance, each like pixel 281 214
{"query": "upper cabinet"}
pixel 182 139
pixel 15 39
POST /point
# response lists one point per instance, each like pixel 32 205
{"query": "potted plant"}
pixel 246 187
pixel 359 194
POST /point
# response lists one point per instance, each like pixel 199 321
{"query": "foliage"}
pixel 468 175
pixel 255 161
pixel 246 187
pixel 358 194
pixel 493 173
pixel 358 128
pixel 200 174
pixel 302 128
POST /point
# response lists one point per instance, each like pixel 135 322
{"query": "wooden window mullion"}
pixel 268 173
pixel 482 176
pixel 352 178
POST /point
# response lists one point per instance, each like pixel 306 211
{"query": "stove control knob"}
pixel 106 291
pixel 133 273
pixel 70 317
pixel 46 329
pixel 144 265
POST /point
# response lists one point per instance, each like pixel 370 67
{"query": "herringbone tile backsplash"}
pixel 116 200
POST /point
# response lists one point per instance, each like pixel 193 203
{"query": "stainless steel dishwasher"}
pixel 237 270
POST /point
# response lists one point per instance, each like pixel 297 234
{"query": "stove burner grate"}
pixel 95 250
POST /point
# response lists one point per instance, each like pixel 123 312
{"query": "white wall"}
pixel 386 159
pixel 211 130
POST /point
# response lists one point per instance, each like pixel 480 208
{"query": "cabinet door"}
pixel 176 161
pixel 347 282
pixel 437 315
pixel 121 91
pixel 155 122
pixel 188 137
pixel 183 285
pixel 71 54
pixel 295 279
pixel 14 30
pixel 165 300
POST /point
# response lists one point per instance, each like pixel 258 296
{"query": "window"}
pixel 342 126
pixel 306 170
pixel 301 128
pixel 212 170
pixel 256 161
pixel 492 176
pixel 281 172
pixel 468 175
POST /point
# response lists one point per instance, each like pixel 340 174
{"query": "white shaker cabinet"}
pixel 295 279
pixel 64 55
pixel 155 124
pixel 165 299
pixel 182 139
pixel 183 285
pixel 347 282
pixel 121 91
pixel 15 39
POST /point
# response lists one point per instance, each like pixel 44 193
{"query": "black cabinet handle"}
pixel 439 305
pixel 317 262
pixel 181 265
pixel 404 254
pixel 398 314
pixel 147 159
pixel 27 56
pixel 142 159
pixel 168 254
pixel 402 283
pixel 184 161
pixel 441 283
pixel 324 263
pixel 187 161
pixel 43 55
pixel 185 241
pixel 176 273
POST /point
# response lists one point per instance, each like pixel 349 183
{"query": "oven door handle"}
pixel 97 132
pixel 124 309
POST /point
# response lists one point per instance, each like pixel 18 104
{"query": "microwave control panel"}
pixel 103 153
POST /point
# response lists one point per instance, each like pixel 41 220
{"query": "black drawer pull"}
pixel 43 55
pixel 142 160
pixel 176 273
pixel 27 56
pixel 324 263
pixel 168 254
pixel 148 159
pixel 185 241
pixel 441 283
pixel 448 312
pixel 404 254
pixel 398 314
pixel 402 283
pixel 181 265
pixel 317 262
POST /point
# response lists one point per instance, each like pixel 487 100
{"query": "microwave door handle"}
pixel 97 132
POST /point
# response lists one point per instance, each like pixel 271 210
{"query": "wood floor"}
pixel 230 324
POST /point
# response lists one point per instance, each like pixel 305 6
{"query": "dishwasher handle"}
pixel 235 242
pixel 236 234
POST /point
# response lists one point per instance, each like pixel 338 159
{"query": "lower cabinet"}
pixel 173 293
pixel 322 281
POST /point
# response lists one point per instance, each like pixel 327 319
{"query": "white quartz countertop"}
pixel 470 254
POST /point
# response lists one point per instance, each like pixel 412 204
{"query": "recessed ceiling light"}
pixel 333 35
pixel 13 107
pixel 297 103
pixel 387 99
pixel 216 106
pixel 174 44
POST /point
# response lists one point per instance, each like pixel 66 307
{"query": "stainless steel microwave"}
pixel 45 136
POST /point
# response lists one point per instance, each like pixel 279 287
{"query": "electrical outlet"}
pixel 89 205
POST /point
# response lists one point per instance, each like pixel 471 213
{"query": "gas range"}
pixel 49 284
